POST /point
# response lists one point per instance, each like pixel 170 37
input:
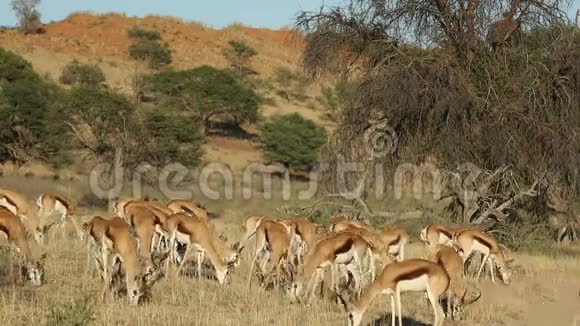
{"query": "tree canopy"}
pixel 292 140
pixel 205 93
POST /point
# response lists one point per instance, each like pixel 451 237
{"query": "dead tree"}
pixel 483 201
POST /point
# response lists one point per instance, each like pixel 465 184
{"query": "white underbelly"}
pixel 59 207
pixel 182 237
pixel 10 207
pixel 480 247
pixel 443 239
pixel 416 284
pixel 346 257
pixel 394 249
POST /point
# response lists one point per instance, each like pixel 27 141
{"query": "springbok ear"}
pixel 43 256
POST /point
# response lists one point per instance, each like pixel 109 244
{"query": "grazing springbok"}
pixel 475 240
pixel 12 228
pixel 117 248
pixel 398 277
pixel 20 206
pixel 50 203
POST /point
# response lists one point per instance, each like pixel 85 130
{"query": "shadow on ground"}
pixel 386 320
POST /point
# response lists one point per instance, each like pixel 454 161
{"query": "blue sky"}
pixel 216 13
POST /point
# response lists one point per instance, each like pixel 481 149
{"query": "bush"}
pixel 76 73
pixel 23 108
pixel 77 313
pixel 14 67
pixel 156 54
pixel 144 34
pixel 93 201
pixel 173 139
pixel 291 84
pixel 27 112
pixel 292 140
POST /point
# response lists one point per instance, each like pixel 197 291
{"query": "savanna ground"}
pixel 544 290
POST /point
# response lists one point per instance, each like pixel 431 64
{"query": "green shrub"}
pixel 27 113
pixel 93 201
pixel 292 140
pixel 156 54
pixel 14 67
pixel 23 108
pixel 76 73
pixel 173 138
pixel 79 312
pixel 291 84
pixel 144 34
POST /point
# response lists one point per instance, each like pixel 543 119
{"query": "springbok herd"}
pixel 146 240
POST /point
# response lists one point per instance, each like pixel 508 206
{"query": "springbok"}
pixel 51 203
pixel 13 229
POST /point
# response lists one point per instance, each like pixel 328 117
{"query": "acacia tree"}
pixel 240 55
pixel 205 93
pixel 27 15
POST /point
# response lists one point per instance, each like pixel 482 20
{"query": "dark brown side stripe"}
pixel 9 200
pixel 482 241
pixel 4 229
pixel 447 233
pixel 394 241
pixel 345 246
pixel 63 201
pixel 412 274
pixel 186 209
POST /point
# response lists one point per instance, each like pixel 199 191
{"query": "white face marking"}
pixel 134 294
pixel 35 274
pixel 354 318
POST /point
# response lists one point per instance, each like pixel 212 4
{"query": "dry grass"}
pixel 543 285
